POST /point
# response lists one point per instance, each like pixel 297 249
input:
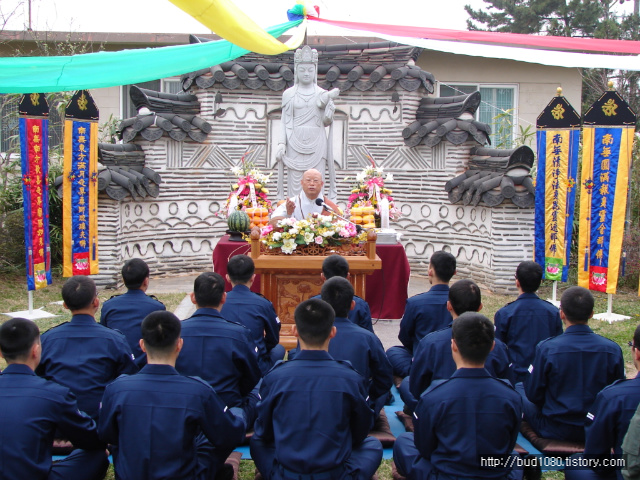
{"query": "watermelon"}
pixel 238 221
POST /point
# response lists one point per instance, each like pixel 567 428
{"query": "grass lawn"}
pixel 13 297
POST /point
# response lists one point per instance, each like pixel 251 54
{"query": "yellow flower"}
pixel 234 186
pixel 265 191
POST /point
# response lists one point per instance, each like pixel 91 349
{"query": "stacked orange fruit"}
pixel 259 216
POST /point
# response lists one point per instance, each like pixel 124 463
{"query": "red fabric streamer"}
pixel 546 41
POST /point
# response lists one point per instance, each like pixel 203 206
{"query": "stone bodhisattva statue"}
pixel 306 110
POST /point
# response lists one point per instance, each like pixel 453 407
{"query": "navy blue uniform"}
pixel 314 418
pixel 360 315
pixel 31 409
pixel 432 360
pixel 423 314
pixel 567 373
pixel 85 356
pixel 524 323
pixel 607 423
pixel 155 419
pixel 125 313
pixel 458 421
pixel 221 353
pixel 364 351
pixel 257 314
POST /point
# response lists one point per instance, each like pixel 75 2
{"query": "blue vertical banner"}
pixel 34 157
pixel 558 142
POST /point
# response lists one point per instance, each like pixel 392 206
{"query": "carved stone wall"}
pixel 176 232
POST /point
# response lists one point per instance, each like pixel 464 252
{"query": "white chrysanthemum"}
pixel 379 170
pixel 389 177
pixel 309 237
pixel 235 170
pixel 360 177
pixel 294 230
pixel 328 233
pixel 277 236
pixel 289 246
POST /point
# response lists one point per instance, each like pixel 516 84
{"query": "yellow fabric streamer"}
pixel 229 22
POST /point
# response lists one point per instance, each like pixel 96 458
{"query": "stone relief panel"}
pixel 177 231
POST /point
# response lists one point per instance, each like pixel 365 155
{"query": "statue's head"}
pixel 306 65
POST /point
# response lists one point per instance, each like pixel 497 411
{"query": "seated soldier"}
pixel 162 424
pixel 218 351
pixel 432 360
pixel 337 266
pixel 568 371
pixel 358 346
pixel 125 312
pixel 608 420
pixel 631 449
pixel 253 311
pixel 313 419
pixel 461 420
pixel 528 320
pixel 424 313
pixel 82 354
pixel 33 408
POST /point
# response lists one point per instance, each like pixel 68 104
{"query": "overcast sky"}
pixel 161 16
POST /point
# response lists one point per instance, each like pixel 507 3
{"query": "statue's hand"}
pixel 328 113
pixel 282 149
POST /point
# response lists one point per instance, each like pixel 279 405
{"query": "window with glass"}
pixel 497 108
pixel 9 122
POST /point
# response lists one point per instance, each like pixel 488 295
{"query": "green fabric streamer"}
pixel 108 69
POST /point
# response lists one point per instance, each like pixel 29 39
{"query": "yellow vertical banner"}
pixel 558 140
pixel 607 146
pixel 80 187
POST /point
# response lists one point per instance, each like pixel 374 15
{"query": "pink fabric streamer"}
pixel 540 41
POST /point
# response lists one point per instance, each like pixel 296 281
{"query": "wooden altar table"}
pixel 386 289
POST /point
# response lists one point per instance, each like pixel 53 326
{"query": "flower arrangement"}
pixel 316 230
pixel 248 175
pixel 368 190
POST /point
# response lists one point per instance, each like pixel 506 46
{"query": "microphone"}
pixel 320 202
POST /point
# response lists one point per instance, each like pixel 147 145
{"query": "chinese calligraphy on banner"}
pixel 80 187
pixel 34 148
pixel 607 145
pixel 558 137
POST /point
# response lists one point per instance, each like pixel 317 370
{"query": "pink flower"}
pixel 319 240
pixel 266 230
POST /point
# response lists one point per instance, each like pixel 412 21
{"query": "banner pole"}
pixel 554 295
pixel 609 316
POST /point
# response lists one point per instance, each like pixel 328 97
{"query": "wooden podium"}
pixel 287 280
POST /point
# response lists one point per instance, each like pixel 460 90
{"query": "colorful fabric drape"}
pixel 558 138
pixel 34 148
pixel 608 133
pixel 80 187
pixel 225 19
pixel 108 69
pixel 542 41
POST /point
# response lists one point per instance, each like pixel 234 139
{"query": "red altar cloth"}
pixel 386 289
